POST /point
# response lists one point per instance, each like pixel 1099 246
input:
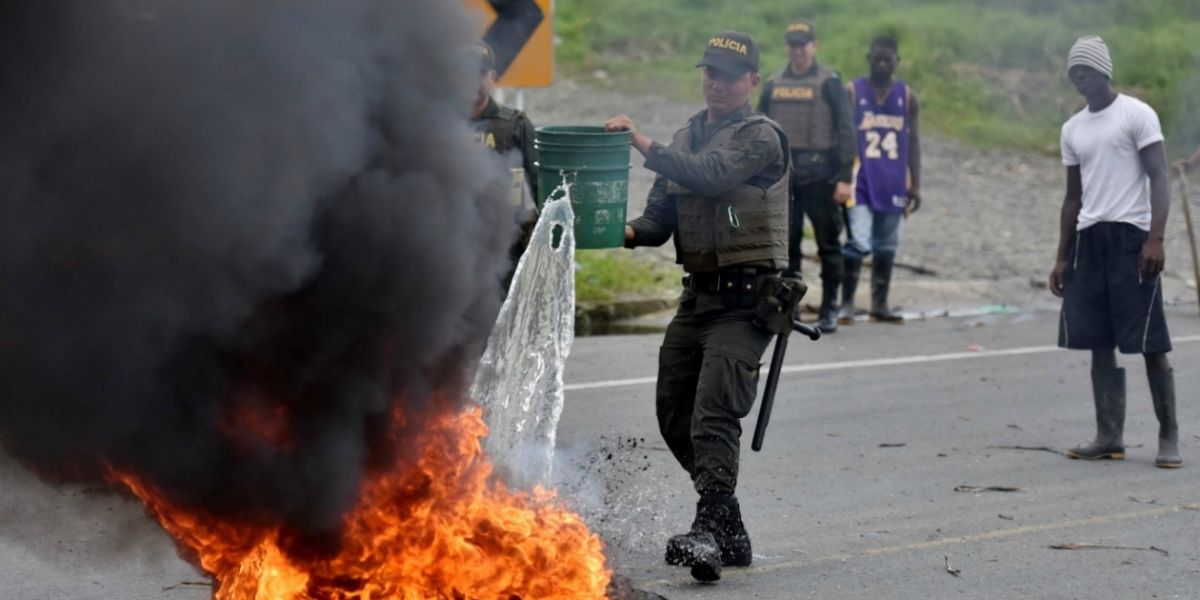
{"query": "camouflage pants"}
pixel 707 379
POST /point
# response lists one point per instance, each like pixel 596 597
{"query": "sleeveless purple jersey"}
pixel 882 178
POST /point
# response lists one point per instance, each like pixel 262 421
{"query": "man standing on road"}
pixel 721 192
pixel 809 102
pixel 888 177
pixel 1110 250
pixel 510 133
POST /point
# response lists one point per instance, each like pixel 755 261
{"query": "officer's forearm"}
pixel 641 142
pixel 647 232
pixel 846 170
pixel 847 151
pixel 657 222
pixel 843 115
pixel 709 175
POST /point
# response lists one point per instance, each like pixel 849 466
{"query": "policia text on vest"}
pixel 814 111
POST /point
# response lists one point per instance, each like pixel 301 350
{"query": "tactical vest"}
pixel 800 108
pixel 746 224
pixel 496 131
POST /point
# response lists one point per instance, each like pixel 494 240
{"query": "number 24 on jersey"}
pixel 877 145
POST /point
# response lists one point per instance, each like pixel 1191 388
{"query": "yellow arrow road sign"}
pixel 521 34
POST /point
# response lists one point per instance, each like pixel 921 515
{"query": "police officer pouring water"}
pixel 808 100
pixel 721 193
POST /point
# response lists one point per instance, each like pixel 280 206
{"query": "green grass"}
pixel 603 275
pixel 988 72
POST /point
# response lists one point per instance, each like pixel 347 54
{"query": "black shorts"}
pixel 1105 301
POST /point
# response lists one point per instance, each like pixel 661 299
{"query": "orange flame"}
pixel 440 529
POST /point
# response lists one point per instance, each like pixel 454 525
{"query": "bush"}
pixel 604 275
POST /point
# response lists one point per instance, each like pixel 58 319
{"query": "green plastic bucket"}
pixel 596 164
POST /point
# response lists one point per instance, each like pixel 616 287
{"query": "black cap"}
pixel 487 56
pixel 800 31
pixel 732 52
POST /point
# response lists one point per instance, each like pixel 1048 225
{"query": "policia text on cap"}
pixel 721 192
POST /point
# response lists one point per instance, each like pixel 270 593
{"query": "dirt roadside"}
pixel 987 229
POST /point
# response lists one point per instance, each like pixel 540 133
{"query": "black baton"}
pixel 768 399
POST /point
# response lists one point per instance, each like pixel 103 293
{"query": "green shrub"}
pixel 603 275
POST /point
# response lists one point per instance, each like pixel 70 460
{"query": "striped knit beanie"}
pixel 1090 51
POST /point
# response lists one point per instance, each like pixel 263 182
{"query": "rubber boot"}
pixel 698 547
pixel 827 316
pixel 1162 391
pixel 852 268
pixel 881 281
pixel 1108 392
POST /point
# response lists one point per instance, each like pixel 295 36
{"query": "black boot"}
pixel 881 281
pixel 827 317
pixel 732 537
pixel 852 268
pixel 698 547
pixel 1108 392
pixel 1162 391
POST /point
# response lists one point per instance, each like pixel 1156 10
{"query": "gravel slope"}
pixel 987 214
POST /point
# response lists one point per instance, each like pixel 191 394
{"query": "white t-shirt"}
pixel 1105 145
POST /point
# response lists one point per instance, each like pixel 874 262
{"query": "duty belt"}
pixel 743 280
pixel 810 157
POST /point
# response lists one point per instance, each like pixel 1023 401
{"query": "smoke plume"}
pixel 234 236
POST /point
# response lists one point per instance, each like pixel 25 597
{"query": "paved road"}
pixel 832 514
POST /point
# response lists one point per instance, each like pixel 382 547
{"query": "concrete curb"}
pixel 918 299
pixel 594 318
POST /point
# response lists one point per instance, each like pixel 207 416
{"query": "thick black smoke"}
pixel 233 234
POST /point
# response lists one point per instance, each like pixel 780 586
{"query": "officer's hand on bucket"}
pixel 623 123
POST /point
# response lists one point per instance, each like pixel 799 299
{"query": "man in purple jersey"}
pixel 888 177
pixel 1110 251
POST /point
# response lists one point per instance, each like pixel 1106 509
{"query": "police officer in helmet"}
pixel 721 193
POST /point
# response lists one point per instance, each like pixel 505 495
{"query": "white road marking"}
pixel 874 362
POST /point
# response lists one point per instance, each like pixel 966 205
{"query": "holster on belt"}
pixel 778 301
pixel 778 298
